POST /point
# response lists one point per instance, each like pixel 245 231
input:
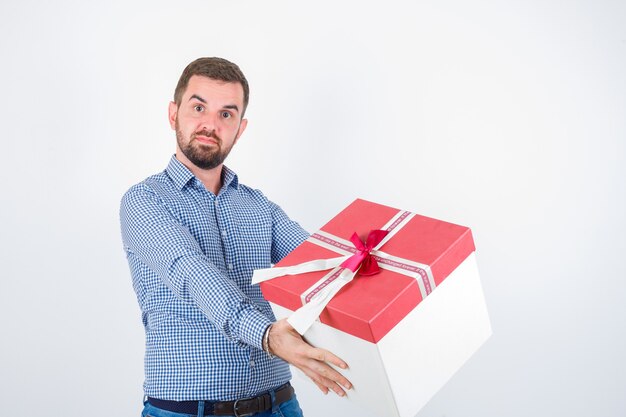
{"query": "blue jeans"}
pixel 289 408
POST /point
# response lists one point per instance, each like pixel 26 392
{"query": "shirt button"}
pixel 252 363
pixel 230 267
pixel 224 233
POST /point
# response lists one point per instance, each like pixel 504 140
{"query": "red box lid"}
pixel 370 306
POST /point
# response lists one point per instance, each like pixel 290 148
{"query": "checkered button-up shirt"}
pixel 191 255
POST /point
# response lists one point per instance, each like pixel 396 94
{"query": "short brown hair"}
pixel 216 69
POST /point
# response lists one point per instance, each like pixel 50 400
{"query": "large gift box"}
pixel 395 294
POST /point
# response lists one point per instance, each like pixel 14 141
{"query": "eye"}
pixel 226 115
pixel 198 108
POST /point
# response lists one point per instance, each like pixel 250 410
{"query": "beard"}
pixel 201 155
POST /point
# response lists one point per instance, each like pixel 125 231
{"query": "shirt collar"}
pixel 229 178
pixel 181 175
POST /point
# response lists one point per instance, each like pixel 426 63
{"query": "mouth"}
pixel 207 140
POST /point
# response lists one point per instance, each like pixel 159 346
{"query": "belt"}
pixel 239 408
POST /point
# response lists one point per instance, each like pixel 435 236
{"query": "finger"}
pixel 328 372
pixel 337 389
pixel 320 386
pixel 325 383
pixel 326 356
pixel 316 379
pixel 329 376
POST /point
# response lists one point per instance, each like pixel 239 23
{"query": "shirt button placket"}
pixel 224 233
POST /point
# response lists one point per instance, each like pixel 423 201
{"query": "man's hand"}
pixel 288 345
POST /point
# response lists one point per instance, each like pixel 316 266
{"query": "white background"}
pixel 508 117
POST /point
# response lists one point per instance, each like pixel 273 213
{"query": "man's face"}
pixel 208 121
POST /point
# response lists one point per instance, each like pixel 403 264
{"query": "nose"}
pixel 208 122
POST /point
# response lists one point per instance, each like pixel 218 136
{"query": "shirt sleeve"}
pixel 153 235
pixel 286 234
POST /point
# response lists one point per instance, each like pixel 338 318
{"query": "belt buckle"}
pixel 237 412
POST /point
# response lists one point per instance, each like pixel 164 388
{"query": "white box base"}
pixel 397 376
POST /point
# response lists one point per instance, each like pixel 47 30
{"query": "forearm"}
pixel 156 239
pixel 221 300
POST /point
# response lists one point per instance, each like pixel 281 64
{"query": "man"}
pixel 193 236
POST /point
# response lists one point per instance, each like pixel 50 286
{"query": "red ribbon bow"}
pixel 363 258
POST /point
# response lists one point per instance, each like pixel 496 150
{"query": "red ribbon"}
pixel 363 258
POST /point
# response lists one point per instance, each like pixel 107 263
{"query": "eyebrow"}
pixel 197 98
pixel 228 106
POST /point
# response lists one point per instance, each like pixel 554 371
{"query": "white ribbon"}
pixel 305 316
pixel 261 275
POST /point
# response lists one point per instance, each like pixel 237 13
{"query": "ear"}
pixel 172 112
pixel 242 127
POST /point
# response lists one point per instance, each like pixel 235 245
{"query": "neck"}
pixel 211 178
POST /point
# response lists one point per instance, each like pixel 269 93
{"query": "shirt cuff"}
pixel 253 327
